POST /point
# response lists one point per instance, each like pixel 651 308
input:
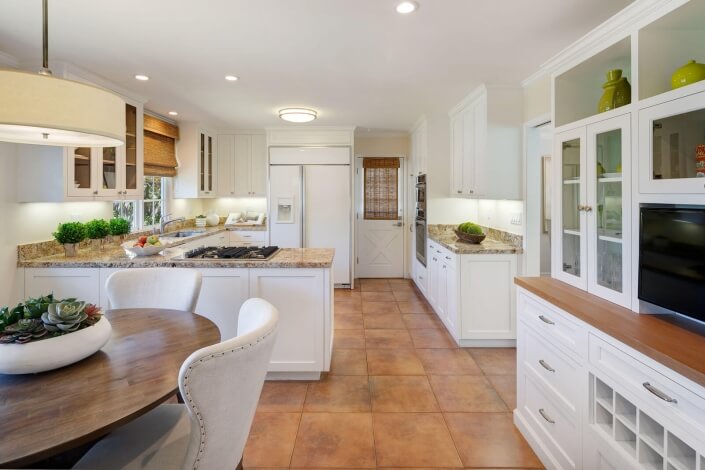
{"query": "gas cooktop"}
pixel 220 253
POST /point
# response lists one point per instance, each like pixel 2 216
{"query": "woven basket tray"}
pixel 469 237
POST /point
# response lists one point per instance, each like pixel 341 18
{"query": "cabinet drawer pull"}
pixel 545 365
pixel 545 416
pixel 437 251
pixel 448 258
pixel 659 393
pixel 546 320
pixel 434 259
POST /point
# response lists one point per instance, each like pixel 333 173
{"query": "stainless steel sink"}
pixel 184 234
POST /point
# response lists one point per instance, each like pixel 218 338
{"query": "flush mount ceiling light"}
pixel 142 78
pixel 298 114
pixel 232 78
pixel 44 110
pixel 407 7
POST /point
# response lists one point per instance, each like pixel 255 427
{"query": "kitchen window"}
pixel 146 213
pixel 381 186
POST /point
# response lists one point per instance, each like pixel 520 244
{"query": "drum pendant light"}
pixel 43 110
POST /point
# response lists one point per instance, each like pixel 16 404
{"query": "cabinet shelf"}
pixel 610 179
pixel 574 232
pixel 610 236
pixel 572 181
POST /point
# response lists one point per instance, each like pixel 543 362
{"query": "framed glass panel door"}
pixel 607 208
pixel 569 230
pixel 131 179
pixel 672 142
pixel 81 163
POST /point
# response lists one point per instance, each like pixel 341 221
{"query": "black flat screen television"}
pixel 672 258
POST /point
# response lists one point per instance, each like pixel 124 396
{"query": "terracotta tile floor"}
pixel 400 394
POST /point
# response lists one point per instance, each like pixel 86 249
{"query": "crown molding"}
pixel 472 96
pixel 623 24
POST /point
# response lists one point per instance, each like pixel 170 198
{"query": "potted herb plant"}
pixel 70 234
pixel 97 230
pixel 119 227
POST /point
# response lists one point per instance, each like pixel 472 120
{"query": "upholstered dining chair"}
pixel 221 385
pixel 170 288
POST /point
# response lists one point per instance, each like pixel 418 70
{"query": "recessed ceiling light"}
pixel 173 113
pixel 143 78
pixel 232 78
pixel 298 114
pixel 406 7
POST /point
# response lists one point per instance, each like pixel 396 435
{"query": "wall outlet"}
pixel 516 219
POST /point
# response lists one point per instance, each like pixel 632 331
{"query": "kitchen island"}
pixel 297 281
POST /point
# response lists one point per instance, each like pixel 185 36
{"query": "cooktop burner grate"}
pixel 232 253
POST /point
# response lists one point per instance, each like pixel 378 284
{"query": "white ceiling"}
pixel 357 62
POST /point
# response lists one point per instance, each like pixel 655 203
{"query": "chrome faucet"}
pixel 166 221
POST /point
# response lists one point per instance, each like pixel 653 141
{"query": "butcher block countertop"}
pixel 674 341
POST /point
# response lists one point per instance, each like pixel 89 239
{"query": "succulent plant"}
pixel 64 316
pixel 24 331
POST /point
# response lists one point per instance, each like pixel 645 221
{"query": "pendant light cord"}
pixel 45 38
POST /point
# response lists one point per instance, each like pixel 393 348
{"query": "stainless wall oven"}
pixel 420 222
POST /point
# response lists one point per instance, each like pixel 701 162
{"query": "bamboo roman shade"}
pixel 381 188
pixel 159 147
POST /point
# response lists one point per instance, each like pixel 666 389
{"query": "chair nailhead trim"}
pixel 188 392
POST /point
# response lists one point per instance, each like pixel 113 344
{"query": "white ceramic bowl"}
pixel 147 250
pixel 52 353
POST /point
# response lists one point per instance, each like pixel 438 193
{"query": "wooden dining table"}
pixel 48 413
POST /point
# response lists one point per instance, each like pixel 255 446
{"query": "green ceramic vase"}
pixel 690 73
pixel 618 92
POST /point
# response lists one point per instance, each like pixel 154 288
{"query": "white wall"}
pixel 30 222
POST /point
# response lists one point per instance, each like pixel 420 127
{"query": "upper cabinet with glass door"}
pixel 198 166
pixel 672 146
pixel 592 197
pixel 109 172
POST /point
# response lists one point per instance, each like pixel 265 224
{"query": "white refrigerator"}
pixel 310 202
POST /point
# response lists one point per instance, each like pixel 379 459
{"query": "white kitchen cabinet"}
pixel 303 302
pixel 473 295
pixel 242 165
pixel 197 175
pixel 223 291
pixel 68 174
pixel 583 398
pixel 433 266
pixel 304 298
pixel 485 135
pixel 420 276
pixel 247 238
pixel 487 304
pixel 592 193
pixel 419 147
pixel 669 137
pixel 65 283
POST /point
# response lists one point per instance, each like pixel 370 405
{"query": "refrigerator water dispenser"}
pixel 285 210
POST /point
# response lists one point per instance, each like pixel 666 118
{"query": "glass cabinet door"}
pixel 130 171
pixel 569 228
pixel 608 203
pixel 108 170
pixel 202 162
pixel 672 134
pixel 210 164
pixel 81 164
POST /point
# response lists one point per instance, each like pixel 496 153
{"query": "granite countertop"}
pixel 247 228
pixel 113 256
pixel 445 236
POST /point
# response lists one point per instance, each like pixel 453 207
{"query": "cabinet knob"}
pixel 448 257
pixel 95 192
pixel 471 191
pixel 460 191
pixel 588 208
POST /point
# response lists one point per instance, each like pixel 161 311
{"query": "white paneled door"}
pixel 380 242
